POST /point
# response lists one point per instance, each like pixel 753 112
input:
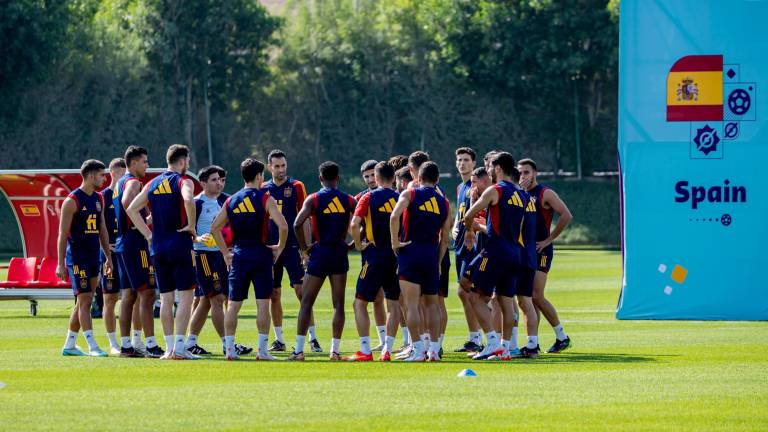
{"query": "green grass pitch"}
pixel 620 375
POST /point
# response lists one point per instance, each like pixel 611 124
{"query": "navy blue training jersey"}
pixel 331 211
pixel 463 201
pixel 425 215
pixel 168 213
pixel 249 220
pixel 83 247
pixel 127 235
pixel 374 208
pixel 109 215
pixel 290 197
pixel 505 220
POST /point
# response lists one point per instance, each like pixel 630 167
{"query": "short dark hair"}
pixel 466 150
pixel 480 172
pixel 117 163
pixel 250 168
pixel 329 170
pixel 428 171
pixel 488 156
pixel 505 161
pixel 404 174
pixel 176 152
pixel 208 171
pixel 529 162
pixel 398 161
pixel 368 165
pixel 90 166
pixel 417 158
pixel 276 153
pixel 385 171
pixel 134 152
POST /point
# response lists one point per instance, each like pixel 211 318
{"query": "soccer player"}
pixel 81 231
pixel 503 256
pixel 547 203
pixel 290 195
pixel 212 273
pixel 331 211
pixel 415 160
pixel 379 271
pixel 110 281
pixel 403 178
pixel 171 198
pixel 465 163
pixel 248 213
pixel 367 171
pixel 137 275
pixel 426 228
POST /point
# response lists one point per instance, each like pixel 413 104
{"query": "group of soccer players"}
pixel 203 253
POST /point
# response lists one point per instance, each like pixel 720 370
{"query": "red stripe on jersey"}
pixel 407 214
pixel 362 205
pixel 546 213
pixel 315 231
pixel 494 213
pixel 182 209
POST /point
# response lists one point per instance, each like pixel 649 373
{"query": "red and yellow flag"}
pixel 695 89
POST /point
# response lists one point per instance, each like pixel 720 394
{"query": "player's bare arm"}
pixel 551 200
pixel 68 210
pixel 394 220
pixel 489 197
pixel 282 226
pixel 218 223
pixel 303 216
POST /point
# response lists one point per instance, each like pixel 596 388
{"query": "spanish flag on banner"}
pixel 695 89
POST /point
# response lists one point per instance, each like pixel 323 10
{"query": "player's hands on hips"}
pixel 397 245
pixel 61 271
pixel 363 246
pixel 276 251
pixel 188 229
pixel 108 266
pixel 542 244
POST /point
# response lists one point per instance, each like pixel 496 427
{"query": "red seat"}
pixel 21 271
pixel 47 277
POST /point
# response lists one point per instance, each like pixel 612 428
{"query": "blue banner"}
pixel 692 138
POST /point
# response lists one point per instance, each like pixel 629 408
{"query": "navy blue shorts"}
pixel 545 259
pixel 326 260
pixel 462 264
pixel 110 284
pixel 136 269
pixel 175 270
pixel 494 271
pixel 379 271
pixel 445 275
pixel 80 276
pixel 525 283
pixel 256 270
pixel 212 274
pixel 290 260
pixel 417 263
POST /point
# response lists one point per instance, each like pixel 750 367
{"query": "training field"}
pixel 645 375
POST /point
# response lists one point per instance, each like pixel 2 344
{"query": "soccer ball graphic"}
pixel 739 102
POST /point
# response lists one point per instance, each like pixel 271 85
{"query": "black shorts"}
pixel 212 274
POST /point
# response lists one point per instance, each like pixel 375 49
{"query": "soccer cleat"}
pixel 415 357
pixel 359 357
pixel 155 352
pixel 265 357
pixel 296 356
pixel 198 350
pixel 168 355
pixel 334 357
pixel 530 352
pixel 401 349
pixel 314 345
pixel 515 353
pixel 489 350
pixel 97 352
pixel 242 350
pixel 440 353
pixel 500 357
pixel 75 352
pixel 385 357
pixel 378 347
pixel 404 354
pixel 232 356
pixel 433 357
pixel 560 346
pixel 141 350
pixel 277 346
pixel 129 352
pixel 184 355
pixel 114 351
pixel 469 346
